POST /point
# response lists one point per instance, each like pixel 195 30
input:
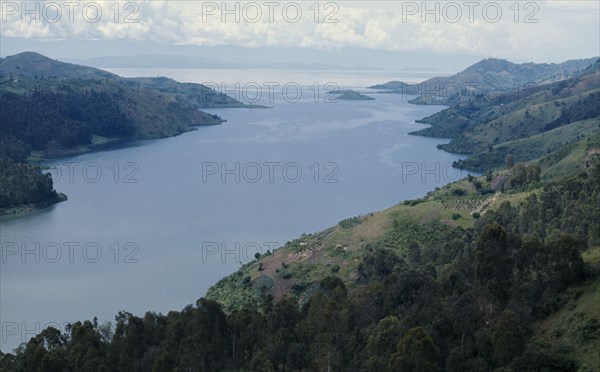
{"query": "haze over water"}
pixel 134 233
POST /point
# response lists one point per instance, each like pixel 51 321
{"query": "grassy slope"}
pixel 569 158
pixel 533 147
pixel 338 250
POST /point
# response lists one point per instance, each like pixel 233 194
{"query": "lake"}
pixel 153 225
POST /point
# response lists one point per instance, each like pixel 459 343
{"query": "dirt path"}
pixel 487 203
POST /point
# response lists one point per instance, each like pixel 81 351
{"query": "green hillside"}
pixel 533 147
pixel 520 124
pixel 525 122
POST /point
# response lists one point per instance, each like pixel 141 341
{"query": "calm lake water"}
pixel 152 226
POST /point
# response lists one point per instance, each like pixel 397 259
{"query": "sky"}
pixel 524 31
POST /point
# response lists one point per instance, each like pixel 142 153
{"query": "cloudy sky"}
pixel 540 31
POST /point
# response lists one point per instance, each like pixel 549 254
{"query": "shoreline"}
pixel 23 210
pixel 98 144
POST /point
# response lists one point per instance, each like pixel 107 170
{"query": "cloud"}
pixel 554 29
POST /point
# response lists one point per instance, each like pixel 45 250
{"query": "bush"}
pixel 284 274
pixel 350 222
pixel 459 192
pixel 589 330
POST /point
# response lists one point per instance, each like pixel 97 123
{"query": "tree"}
pixel 508 160
pixel 493 265
pixel 565 263
pixel 379 263
pixel 415 353
pixel 382 342
pixel 508 337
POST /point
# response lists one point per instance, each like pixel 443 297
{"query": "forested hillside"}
pixel 50 108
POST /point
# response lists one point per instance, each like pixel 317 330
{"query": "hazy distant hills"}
pixel 489 76
pixel 156 61
pixel 199 62
pixel 151 54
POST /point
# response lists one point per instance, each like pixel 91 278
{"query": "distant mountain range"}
pixel 488 77
pixel 149 54
pixel 198 62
